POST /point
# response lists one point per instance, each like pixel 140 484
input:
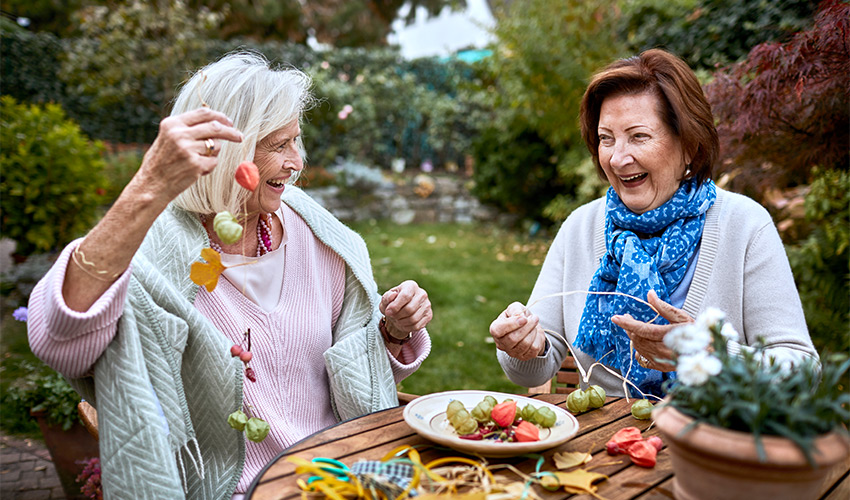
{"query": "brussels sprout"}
pixel 642 409
pixel 454 407
pixel 256 429
pixel 463 422
pixel 481 412
pixel 578 401
pixel 595 396
pixel 527 413
pixel 237 420
pixel 545 417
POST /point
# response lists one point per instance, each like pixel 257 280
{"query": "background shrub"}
pixel 50 177
pixel 711 33
pixel 821 261
pixel 530 153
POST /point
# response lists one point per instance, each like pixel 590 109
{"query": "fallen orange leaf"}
pixel 207 273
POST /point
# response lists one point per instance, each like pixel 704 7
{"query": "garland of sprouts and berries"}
pixel 229 230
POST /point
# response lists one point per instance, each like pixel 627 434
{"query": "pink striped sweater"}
pixel 287 342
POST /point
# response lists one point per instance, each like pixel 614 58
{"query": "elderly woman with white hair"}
pixel 187 379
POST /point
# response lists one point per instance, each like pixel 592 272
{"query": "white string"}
pixel 585 375
pixel 182 470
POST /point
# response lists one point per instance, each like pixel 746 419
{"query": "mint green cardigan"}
pixel 166 383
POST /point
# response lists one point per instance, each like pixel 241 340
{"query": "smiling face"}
pixel 277 158
pixel 639 153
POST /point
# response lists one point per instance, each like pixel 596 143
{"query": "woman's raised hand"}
pixel 185 148
pixel 518 333
pixel 648 338
pixel 407 308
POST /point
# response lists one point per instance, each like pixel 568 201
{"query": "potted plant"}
pixel 48 398
pixel 740 425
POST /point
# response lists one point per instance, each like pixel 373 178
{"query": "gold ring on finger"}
pixel 210 144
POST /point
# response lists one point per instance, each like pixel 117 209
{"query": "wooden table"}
pixel 372 436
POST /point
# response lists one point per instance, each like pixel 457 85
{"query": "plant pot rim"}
pixel 738 446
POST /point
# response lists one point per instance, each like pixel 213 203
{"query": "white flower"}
pixel 688 339
pixel 694 369
pixel 711 317
pixel 729 333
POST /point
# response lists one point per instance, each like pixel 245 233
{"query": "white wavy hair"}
pixel 259 100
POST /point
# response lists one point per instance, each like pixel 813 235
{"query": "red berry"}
pixel 245 356
pixel 249 373
pixel 236 350
pixel 247 175
pixel 655 441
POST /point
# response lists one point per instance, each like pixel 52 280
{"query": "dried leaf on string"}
pixel 567 459
pixel 577 481
pixel 206 273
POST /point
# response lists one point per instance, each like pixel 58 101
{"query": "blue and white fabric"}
pixel 644 252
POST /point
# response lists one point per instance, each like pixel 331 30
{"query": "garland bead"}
pixel 228 229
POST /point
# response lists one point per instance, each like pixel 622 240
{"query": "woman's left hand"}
pixel 407 309
pixel 648 338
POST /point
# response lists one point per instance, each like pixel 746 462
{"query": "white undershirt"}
pixel 261 282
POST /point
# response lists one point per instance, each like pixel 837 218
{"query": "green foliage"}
pixel 41 389
pixel 137 51
pixel 45 15
pixel 821 262
pixel 761 397
pixel 707 33
pixel 529 152
pixel 50 177
pixel 30 68
pixel 398 110
pixel 516 171
pixel 119 168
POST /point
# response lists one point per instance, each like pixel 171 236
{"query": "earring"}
pixel 687 169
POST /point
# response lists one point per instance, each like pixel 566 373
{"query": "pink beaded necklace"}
pixel 264 235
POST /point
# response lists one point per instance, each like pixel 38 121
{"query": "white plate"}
pixel 427 416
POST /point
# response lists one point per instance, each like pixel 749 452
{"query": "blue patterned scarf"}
pixel 650 251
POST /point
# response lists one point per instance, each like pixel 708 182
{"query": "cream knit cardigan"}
pixel 166 383
pixel 742 270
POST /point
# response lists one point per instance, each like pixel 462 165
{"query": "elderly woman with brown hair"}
pixel 664 233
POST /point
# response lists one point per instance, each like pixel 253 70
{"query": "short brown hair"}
pixel 685 109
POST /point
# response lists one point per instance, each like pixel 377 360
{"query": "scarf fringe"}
pixel 198 463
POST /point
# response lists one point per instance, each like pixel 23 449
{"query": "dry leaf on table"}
pixel 567 459
pixel 577 481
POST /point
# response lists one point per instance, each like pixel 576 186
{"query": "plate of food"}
pixel 490 424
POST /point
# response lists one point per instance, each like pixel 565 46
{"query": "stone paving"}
pixel 26 471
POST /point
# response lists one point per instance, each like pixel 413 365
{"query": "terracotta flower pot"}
pixel 714 463
pixel 68 448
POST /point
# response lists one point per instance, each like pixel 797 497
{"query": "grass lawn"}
pixel 471 273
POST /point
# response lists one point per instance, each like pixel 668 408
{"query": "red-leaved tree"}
pixel 784 110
